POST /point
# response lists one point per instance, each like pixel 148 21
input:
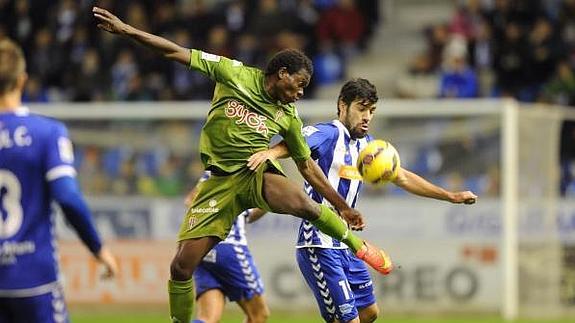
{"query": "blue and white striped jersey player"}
pixel 229 270
pixel 341 282
pixel 36 168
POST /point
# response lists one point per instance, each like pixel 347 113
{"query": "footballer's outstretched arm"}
pixel 168 49
pixel 417 185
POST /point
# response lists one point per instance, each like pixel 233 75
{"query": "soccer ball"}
pixel 378 162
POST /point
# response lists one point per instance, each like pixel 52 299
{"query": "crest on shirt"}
pixel 279 114
pixel 65 149
pixel 309 130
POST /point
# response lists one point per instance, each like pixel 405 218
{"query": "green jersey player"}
pixel 249 107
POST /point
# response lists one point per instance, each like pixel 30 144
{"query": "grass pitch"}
pixel 147 315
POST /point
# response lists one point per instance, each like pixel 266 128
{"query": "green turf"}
pixel 86 316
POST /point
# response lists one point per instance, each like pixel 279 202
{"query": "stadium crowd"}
pixel 69 60
pixel 502 48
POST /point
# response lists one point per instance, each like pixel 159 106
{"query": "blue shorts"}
pixel 231 269
pixel 340 282
pixel 45 308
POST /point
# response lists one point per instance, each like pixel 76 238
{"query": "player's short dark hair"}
pixel 292 59
pixel 357 89
pixel 12 65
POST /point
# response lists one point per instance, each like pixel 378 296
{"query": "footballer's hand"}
pixel 259 158
pixel 106 258
pixel 353 218
pixel 466 197
pixel 108 21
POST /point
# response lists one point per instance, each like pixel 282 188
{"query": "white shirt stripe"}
pixel 60 171
pixel 29 292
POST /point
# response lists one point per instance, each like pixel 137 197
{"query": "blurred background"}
pixel 447 72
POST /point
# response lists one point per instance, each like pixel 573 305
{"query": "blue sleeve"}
pixel 318 137
pixel 59 153
pixel 66 193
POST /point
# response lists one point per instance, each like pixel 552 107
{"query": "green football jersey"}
pixel 243 117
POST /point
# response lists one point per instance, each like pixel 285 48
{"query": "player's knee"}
pixel 179 270
pixel 259 314
pixel 307 209
pixel 369 315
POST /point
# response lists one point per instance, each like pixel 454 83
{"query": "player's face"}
pixel 289 87
pixel 357 116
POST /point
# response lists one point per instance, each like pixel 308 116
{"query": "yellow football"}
pixel 378 163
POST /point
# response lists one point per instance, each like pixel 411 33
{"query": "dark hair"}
pixel 357 89
pixel 292 59
pixel 12 65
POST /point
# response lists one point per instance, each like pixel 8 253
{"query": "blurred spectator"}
pixel 66 20
pixel 248 51
pixel 268 21
pixel 467 19
pixel 561 88
pixel 437 38
pixel 343 25
pixel 510 60
pixel 34 92
pixel 236 17
pixel 45 58
pixel 217 42
pixel 328 66
pixel 123 71
pixel 89 83
pixel 544 51
pixel 22 22
pixel 457 79
pixel 480 57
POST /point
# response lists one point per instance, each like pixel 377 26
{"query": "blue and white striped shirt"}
pixel 336 154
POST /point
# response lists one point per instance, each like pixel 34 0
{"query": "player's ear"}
pixel 21 82
pixel 283 73
pixel 341 107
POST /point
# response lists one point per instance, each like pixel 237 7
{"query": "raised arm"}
pixel 168 49
pixel 417 185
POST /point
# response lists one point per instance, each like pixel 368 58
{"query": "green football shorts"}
pixel 220 200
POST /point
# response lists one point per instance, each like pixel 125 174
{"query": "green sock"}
pixel 181 300
pixel 331 224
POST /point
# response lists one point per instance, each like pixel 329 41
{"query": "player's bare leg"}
pixel 188 256
pixel 256 309
pixel 181 287
pixel 210 306
pixel 284 196
pixel 368 314
pixel 355 320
